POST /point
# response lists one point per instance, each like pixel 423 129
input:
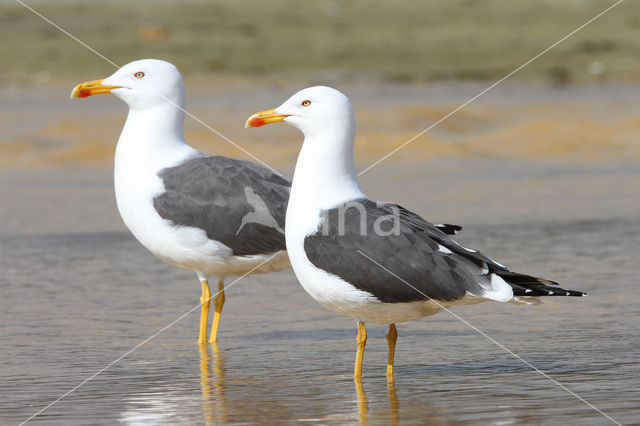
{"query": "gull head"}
pixel 313 111
pixel 140 84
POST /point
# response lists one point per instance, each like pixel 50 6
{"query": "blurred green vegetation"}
pixel 372 40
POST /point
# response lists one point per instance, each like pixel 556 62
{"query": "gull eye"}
pixel 139 74
pixel 306 103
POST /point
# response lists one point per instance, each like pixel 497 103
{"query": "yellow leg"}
pixel 218 303
pixel 361 341
pixel 204 312
pixel 392 336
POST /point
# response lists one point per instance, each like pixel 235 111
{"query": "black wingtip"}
pixel 448 228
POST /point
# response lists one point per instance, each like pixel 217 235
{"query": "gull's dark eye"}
pixel 139 74
pixel 306 103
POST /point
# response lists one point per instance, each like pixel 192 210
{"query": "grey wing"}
pixel 408 252
pixel 239 203
pixel 431 264
pixel 418 221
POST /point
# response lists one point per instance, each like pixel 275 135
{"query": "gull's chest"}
pixel 136 185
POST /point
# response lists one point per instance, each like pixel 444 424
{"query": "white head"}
pixel 315 110
pixel 142 84
pixel 325 174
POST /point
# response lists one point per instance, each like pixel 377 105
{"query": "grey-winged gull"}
pixel 375 262
pixel 214 215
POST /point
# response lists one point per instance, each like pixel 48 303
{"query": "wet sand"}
pixel 577 125
pixel 545 181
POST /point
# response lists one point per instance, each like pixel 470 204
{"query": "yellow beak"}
pixel 265 117
pixel 89 88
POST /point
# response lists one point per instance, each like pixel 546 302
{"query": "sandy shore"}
pixel 518 154
pixel 595 124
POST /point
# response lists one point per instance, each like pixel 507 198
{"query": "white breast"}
pixel 137 183
pixel 336 294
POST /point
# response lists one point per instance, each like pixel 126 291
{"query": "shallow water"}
pixel 78 292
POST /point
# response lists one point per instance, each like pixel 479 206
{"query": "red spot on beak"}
pixel 256 122
pixel 84 93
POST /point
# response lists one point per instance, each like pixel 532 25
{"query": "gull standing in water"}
pixel 214 215
pixel 376 262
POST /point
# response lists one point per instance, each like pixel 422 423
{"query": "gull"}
pixel 213 215
pixel 375 262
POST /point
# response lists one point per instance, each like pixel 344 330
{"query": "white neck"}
pixel 324 177
pixel 154 136
pixel 157 125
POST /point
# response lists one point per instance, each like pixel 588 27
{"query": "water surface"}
pixel 78 292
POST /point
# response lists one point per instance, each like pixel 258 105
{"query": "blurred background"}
pixel 543 171
pixel 405 65
pixel 374 41
pixel 408 61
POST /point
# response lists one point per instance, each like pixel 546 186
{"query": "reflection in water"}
pixel 173 401
pixel 458 380
pixel 393 404
pixel 213 403
pixel 363 404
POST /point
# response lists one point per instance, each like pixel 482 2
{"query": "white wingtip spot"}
pixel 443 249
pixel 528 290
pixel 550 293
